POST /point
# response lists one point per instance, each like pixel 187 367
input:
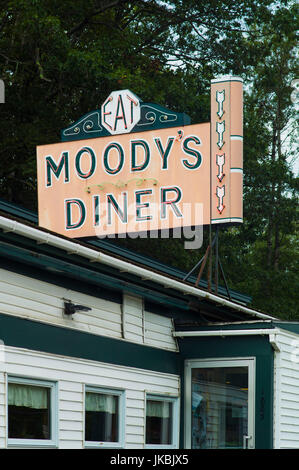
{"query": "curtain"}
pixel 100 402
pixel 29 396
pixel 158 409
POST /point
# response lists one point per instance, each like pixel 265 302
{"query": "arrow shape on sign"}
pixel 220 160
pixel 220 97
pixel 220 128
pixel 220 192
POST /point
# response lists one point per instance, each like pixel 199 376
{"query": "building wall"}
pixel 286 386
pixel 37 300
pixel 72 375
pixel 125 346
pixel 41 342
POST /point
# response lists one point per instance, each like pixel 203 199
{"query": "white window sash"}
pixel 175 421
pixel 121 417
pixel 36 443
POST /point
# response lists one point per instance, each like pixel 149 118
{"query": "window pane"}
pixel 28 411
pixel 101 417
pixel 219 407
pixel 158 422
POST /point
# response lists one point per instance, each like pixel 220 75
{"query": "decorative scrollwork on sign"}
pixel 152 114
pixel 99 123
pixel 148 118
pixel 88 126
pixel 168 117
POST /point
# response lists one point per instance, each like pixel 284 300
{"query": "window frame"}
pixel 53 412
pixel 175 401
pixel 121 417
pixel 249 362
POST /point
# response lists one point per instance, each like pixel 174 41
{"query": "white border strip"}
pixel 259 331
pixel 227 220
pixel 227 78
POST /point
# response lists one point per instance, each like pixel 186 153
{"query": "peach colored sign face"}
pixel 147 181
pixel 125 183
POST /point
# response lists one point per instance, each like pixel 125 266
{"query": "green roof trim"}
pixel 114 249
pixel 18 211
pixel 30 334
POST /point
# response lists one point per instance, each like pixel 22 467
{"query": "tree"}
pixel 268 237
pixel 60 60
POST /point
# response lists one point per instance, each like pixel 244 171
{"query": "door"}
pixel 219 403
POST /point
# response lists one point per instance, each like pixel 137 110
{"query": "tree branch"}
pixel 105 6
pixel 39 66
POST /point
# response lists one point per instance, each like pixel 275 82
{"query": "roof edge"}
pixel 93 255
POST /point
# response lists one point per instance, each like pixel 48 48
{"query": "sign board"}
pixel 132 167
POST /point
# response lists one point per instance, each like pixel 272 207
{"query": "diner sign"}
pixel 132 167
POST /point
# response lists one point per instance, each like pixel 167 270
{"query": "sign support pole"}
pixel 202 262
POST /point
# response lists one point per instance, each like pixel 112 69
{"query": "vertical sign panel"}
pixel 227 150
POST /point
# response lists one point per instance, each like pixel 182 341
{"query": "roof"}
pixel 97 263
pixel 115 249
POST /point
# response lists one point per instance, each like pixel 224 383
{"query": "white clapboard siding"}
pixel 133 326
pixel 158 330
pixel 30 298
pixel 146 327
pixel 71 376
pixel 286 392
pixel 37 300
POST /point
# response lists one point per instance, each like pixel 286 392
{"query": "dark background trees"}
pixel 60 60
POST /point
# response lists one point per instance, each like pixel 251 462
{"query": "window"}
pixel 161 422
pixel 104 417
pixel 31 412
pixel 219 403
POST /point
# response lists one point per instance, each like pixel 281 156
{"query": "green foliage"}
pixel 60 60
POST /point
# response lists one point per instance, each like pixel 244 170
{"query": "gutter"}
pixel 41 237
pixel 271 332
